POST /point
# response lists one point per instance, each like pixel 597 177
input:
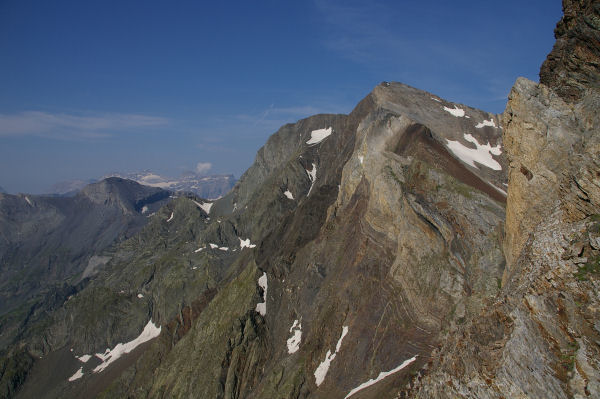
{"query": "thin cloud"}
pixel 68 126
pixel 203 167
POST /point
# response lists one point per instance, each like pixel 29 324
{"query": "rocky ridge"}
pixel 49 246
pixel 539 337
pixel 369 255
pixel 383 226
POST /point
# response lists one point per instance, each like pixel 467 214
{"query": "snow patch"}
pixel 144 209
pixel 436 99
pixel 246 243
pixel 312 175
pixel 381 376
pixel 262 282
pixel 339 343
pixel 224 248
pixel 361 159
pixel 499 189
pixel 170 218
pixel 213 246
pixel 323 368
pixel 486 123
pixel 458 112
pixel 140 296
pixel 288 194
pixel 28 201
pixel 199 249
pixel 481 154
pixel 316 136
pixel 78 374
pixel 205 206
pixel 150 331
pixel 293 343
pixel 84 358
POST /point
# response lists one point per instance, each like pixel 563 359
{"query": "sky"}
pixel 93 87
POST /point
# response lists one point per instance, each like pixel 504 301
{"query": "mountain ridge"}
pixel 370 255
pixel 284 229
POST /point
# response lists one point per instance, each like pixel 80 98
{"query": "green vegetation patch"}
pixel 592 266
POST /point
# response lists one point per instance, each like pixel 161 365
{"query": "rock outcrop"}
pixel 573 66
pixel 539 337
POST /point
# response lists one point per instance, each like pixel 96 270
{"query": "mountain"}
pixel 413 248
pixel 211 187
pixel 50 245
pixel 539 337
pixel 326 221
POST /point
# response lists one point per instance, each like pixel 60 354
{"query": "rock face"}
pixel 363 236
pixel 49 244
pixel 539 336
pixel 573 66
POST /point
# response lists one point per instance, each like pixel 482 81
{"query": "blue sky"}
pixel 87 88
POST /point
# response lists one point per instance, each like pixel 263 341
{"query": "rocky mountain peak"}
pixel 128 195
pixel 574 63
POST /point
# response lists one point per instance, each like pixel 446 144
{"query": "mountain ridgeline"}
pixel 413 248
pixel 50 244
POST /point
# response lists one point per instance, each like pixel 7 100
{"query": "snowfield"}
pixel 316 136
pixel 482 154
pixel 458 112
pixel 490 123
pixel 262 307
pixel 78 374
pixel 246 243
pixel 381 376
pixel 323 368
pixel 150 331
pixel 293 343
pixel 312 176
pixel 205 206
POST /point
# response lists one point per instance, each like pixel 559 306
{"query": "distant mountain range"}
pixel 210 187
pixel 61 241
